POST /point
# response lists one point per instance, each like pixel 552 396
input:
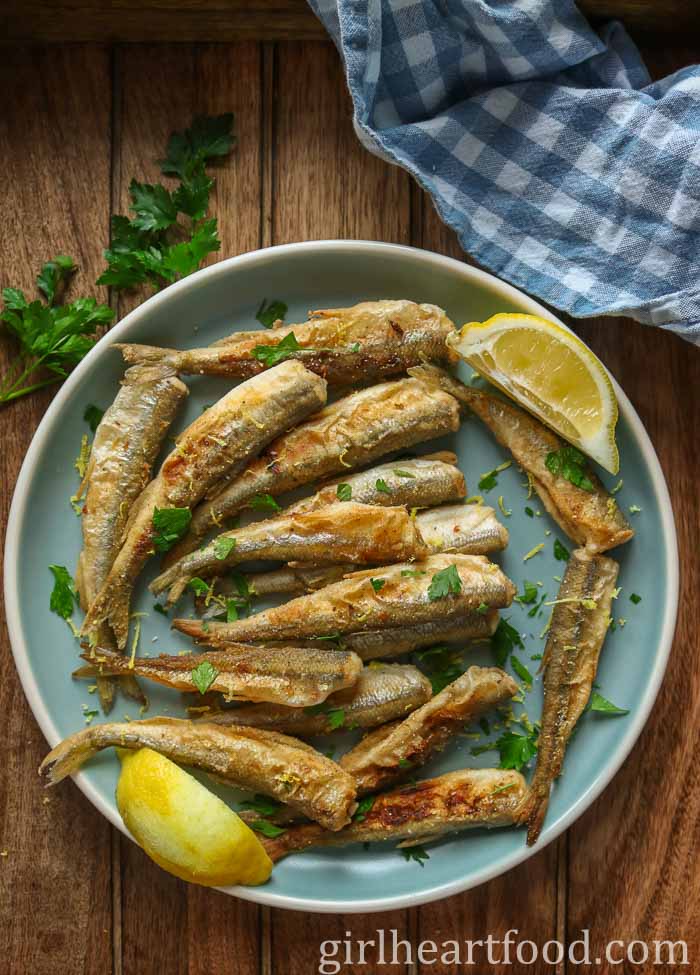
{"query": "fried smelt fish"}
pixel 345 345
pixel 382 693
pixel 396 595
pixel 578 627
pixel 363 534
pixel 247 758
pixel 124 449
pixel 294 676
pixel 391 752
pixel 419 813
pixel 350 433
pixel 469 529
pixel 590 518
pixel 221 440
pixel 418 483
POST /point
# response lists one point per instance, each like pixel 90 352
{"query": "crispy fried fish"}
pixel 247 758
pixel 294 676
pixel 393 596
pixel 469 529
pixel 222 439
pixel 417 483
pixel 382 693
pixel 124 449
pixel 578 627
pixel 419 813
pixel 389 753
pixel 350 433
pixel 591 518
pixel 363 534
pixel 345 345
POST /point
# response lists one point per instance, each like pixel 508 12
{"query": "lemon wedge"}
pixel 550 372
pixel 186 829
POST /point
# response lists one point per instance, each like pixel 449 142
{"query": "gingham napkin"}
pixel 542 143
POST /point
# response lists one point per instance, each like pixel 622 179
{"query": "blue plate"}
pixel 42 529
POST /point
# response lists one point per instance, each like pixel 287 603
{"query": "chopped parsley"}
pixel 416 853
pixel 378 584
pixel 266 828
pixel 412 573
pixel 520 669
pixel 363 807
pixel 634 509
pixel 93 416
pixel 534 610
pixel 515 750
pixel 442 665
pixel 444 583
pixel 503 641
pixel 223 546
pixel 634 598
pixel 569 463
pixel 601 705
pixel 482 609
pixel 401 473
pixel 270 355
pixel 561 552
pixel 382 486
pixel 231 611
pixel 262 805
pixel 529 593
pixel 529 512
pixel 344 492
pixel 489 480
pixel 204 675
pixel 159 608
pixel 270 312
pixel 263 502
pixel 63 593
pixel 169 526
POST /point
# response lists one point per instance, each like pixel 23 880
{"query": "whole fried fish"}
pixel 579 623
pixel 222 439
pixel 126 444
pixel 391 752
pixel 345 345
pixel 419 813
pixel 382 693
pixel 350 433
pixel 590 518
pixel 393 596
pixel 417 483
pixel 247 758
pixel 294 676
pixel 470 529
pixel 363 534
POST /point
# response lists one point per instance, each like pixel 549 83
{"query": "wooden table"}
pixel 79 121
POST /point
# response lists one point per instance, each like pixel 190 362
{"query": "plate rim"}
pixel 17 510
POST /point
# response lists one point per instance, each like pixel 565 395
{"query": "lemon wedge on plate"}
pixel 184 827
pixel 551 373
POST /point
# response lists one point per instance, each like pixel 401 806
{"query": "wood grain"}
pixel 190 929
pixel 234 20
pixel 55 900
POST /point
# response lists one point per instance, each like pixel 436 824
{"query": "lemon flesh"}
pixel 183 827
pixel 550 372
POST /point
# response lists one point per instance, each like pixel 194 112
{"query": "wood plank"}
pixel 325 184
pixel 168 925
pixel 54 183
pixel 263 20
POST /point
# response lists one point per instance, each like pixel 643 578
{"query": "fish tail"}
pixel 292 840
pixel 192 628
pixel 165 580
pixel 69 755
pixel 133 353
pixel 106 692
pixel 111 606
pixel 532 811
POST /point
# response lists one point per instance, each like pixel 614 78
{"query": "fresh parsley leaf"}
pixel 569 463
pixel 378 584
pixel 262 805
pixel 520 669
pixel 179 260
pixel 344 492
pixel 204 675
pixel 93 416
pixel 192 196
pixel 504 639
pixel 529 512
pixel 442 666
pixel 266 828
pixel 603 706
pixel 634 598
pixel 207 138
pixel 382 486
pixel 270 355
pixel 412 573
pixel 514 750
pixel 444 583
pixel 363 807
pixel 336 718
pixel 199 586
pixel 63 592
pixel 54 275
pixel 153 205
pixel 415 853
pixel 263 502
pixel 538 606
pixel 159 608
pixel 223 546
pixel 231 611
pixel 529 593
pixel 169 526
pixel 561 552
pixel 488 481
pixel 270 312
pixel 401 473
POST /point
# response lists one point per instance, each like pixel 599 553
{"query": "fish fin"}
pixel 111 606
pixel 106 691
pixel 131 687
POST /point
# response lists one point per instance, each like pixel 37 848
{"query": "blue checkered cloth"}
pixel 542 143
